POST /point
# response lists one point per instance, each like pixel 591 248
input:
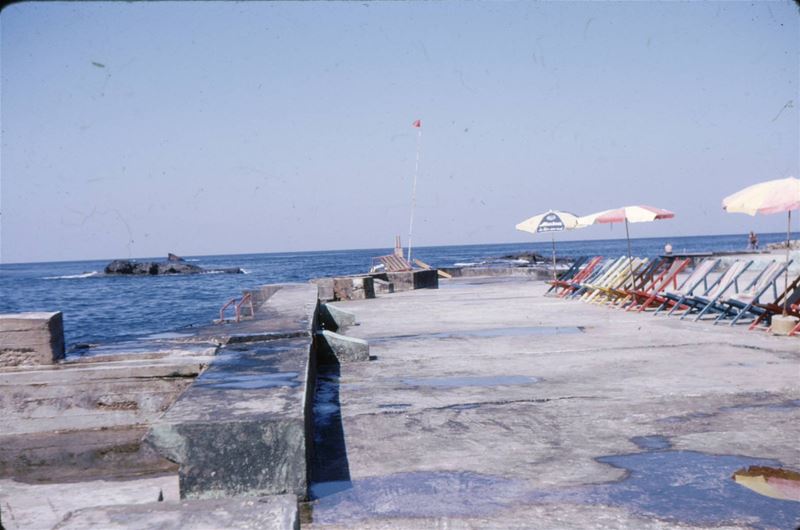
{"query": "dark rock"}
pixel 173 257
pixel 123 266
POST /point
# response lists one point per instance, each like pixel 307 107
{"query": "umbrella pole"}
pixel 554 255
pixel 786 275
pixel 630 256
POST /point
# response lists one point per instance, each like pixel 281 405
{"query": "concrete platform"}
pixel 277 512
pixel 489 405
pixel 242 427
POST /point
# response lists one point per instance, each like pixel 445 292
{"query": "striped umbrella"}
pixel 772 196
pixel 626 214
pixel 551 221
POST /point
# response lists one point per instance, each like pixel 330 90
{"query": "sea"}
pixel 100 310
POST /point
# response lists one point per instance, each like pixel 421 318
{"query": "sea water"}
pixel 105 309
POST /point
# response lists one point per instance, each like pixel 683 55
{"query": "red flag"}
pixel 417 124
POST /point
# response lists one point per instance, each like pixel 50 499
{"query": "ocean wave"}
pixel 465 264
pixel 245 271
pixel 73 276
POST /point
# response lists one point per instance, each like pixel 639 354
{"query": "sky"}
pixel 134 129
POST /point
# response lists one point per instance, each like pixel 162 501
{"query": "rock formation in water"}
pixel 173 265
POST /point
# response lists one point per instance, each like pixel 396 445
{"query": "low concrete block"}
pixel 335 318
pixel 277 512
pixel 333 347
pixel 31 338
pixel 353 288
pixel 383 286
pixel 324 288
pixel 409 280
pixel 244 426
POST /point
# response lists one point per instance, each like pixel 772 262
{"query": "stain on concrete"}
pixel 486 333
pixel 224 381
pixel 415 494
pixel 653 443
pixel 479 381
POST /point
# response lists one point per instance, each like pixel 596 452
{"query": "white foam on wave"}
pixel 245 271
pixel 465 264
pixel 73 276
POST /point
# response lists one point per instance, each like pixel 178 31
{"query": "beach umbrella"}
pixel 626 214
pixel 772 196
pixel 551 221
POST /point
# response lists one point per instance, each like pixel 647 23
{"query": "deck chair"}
pixel 643 272
pixel 697 279
pixel 391 263
pixel 610 268
pixel 729 279
pixel 599 292
pixel 591 269
pixel 766 310
pixel 741 305
pixel 643 298
pixel 795 330
pixel 568 274
pixel 577 287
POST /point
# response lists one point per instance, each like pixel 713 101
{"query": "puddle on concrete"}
pixel 653 443
pixel 461 406
pixel 168 335
pixel 329 464
pixel 482 381
pixel 690 487
pixel 489 333
pixel 782 406
pixel 226 381
pixel 416 494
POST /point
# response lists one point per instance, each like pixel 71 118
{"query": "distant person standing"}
pixel 752 241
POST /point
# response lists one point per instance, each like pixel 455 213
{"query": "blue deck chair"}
pixel 742 303
pixel 729 279
pixel 697 279
pixel 568 274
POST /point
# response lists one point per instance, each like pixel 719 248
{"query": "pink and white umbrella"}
pixel 626 214
pixel 772 196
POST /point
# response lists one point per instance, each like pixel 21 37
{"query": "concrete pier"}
pixel 479 404
pixel 489 405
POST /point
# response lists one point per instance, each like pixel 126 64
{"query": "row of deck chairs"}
pixel 639 284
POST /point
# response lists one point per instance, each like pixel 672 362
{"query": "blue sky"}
pixel 137 129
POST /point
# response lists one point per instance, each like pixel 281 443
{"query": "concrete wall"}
pixel 409 280
pixel 31 339
pixel 468 272
pixel 243 428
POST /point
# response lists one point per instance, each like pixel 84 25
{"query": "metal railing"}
pixel 237 307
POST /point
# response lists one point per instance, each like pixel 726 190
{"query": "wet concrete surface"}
pixel 630 422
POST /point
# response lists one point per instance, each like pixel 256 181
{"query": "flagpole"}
pixel 414 189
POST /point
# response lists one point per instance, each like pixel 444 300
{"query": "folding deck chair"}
pixel 576 287
pixel 642 298
pixel 698 277
pixel 730 278
pixel 741 304
pixel 600 291
pixel 766 310
pixel 568 274
pixel 643 272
